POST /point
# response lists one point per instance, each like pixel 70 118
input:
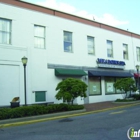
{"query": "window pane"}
pixel 67 47
pixel 5 25
pixel 5 38
pixel 125 51
pixel 138 53
pixel 39 31
pixel 67 36
pixel 109 48
pixel 109 53
pixel 90 43
pixel 109 88
pixel 39 42
pixel 67 41
pixel 109 44
pixel 5 31
pixel 90 50
pixel 94 85
pixel 39 36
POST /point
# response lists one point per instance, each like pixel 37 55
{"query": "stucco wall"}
pixel 39 76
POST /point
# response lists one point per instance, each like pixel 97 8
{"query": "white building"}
pixel 60 45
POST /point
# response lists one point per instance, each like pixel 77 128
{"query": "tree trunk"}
pixel 72 101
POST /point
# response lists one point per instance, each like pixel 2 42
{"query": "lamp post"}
pixel 24 61
pixel 137 67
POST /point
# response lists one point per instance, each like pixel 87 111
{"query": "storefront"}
pixel 102 78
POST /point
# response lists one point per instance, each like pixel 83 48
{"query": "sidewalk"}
pixel 103 105
pixel 89 108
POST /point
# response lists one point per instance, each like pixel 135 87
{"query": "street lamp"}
pixel 137 67
pixel 24 61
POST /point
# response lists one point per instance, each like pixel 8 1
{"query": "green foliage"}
pixel 125 84
pixel 24 111
pixel 125 100
pixel 70 88
pixel 136 96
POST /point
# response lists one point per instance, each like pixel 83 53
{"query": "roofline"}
pixel 61 14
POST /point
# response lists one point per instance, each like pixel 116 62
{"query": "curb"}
pixel 39 118
pixel 55 116
pixel 131 102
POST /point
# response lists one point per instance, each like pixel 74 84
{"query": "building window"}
pixel 109 88
pixel 67 41
pixel 109 48
pixel 5 31
pixel 109 85
pixel 39 36
pixel 40 96
pixel 125 51
pixel 90 44
pixel 138 53
pixel 95 85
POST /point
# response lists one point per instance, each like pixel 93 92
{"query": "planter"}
pixel 14 104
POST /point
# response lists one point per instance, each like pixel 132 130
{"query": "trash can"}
pixel 15 102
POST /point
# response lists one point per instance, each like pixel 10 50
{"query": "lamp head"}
pixel 137 67
pixel 24 61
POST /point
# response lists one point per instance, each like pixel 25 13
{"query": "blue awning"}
pixel 110 73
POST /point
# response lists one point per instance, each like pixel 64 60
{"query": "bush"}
pixel 124 100
pixel 70 88
pixel 24 111
pixel 136 96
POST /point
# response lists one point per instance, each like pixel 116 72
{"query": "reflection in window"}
pixel 39 36
pixel 95 85
pixel 90 41
pixel 109 82
pixel 138 53
pixel 109 48
pixel 125 51
pixel 67 41
pixel 5 31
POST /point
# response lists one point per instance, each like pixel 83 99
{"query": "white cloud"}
pixel 105 18
pixel 111 20
pixel 59 6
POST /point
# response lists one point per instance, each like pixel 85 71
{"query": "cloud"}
pixel 106 18
pixel 111 20
pixel 58 6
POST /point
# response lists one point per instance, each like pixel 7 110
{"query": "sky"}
pixel 123 14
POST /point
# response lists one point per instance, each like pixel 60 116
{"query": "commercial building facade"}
pixel 59 45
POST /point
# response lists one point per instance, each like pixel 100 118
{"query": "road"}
pixel 109 125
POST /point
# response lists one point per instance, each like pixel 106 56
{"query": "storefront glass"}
pixel 109 86
pixel 109 82
pixel 95 85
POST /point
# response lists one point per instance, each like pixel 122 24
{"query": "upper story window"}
pixel 90 45
pixel 67 41
pixel 39 36
pixel 5 31
pixel 109 48
pixel 125 51
pixel 138 53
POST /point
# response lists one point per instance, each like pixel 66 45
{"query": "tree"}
pixel 125 84
pixel 70 88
